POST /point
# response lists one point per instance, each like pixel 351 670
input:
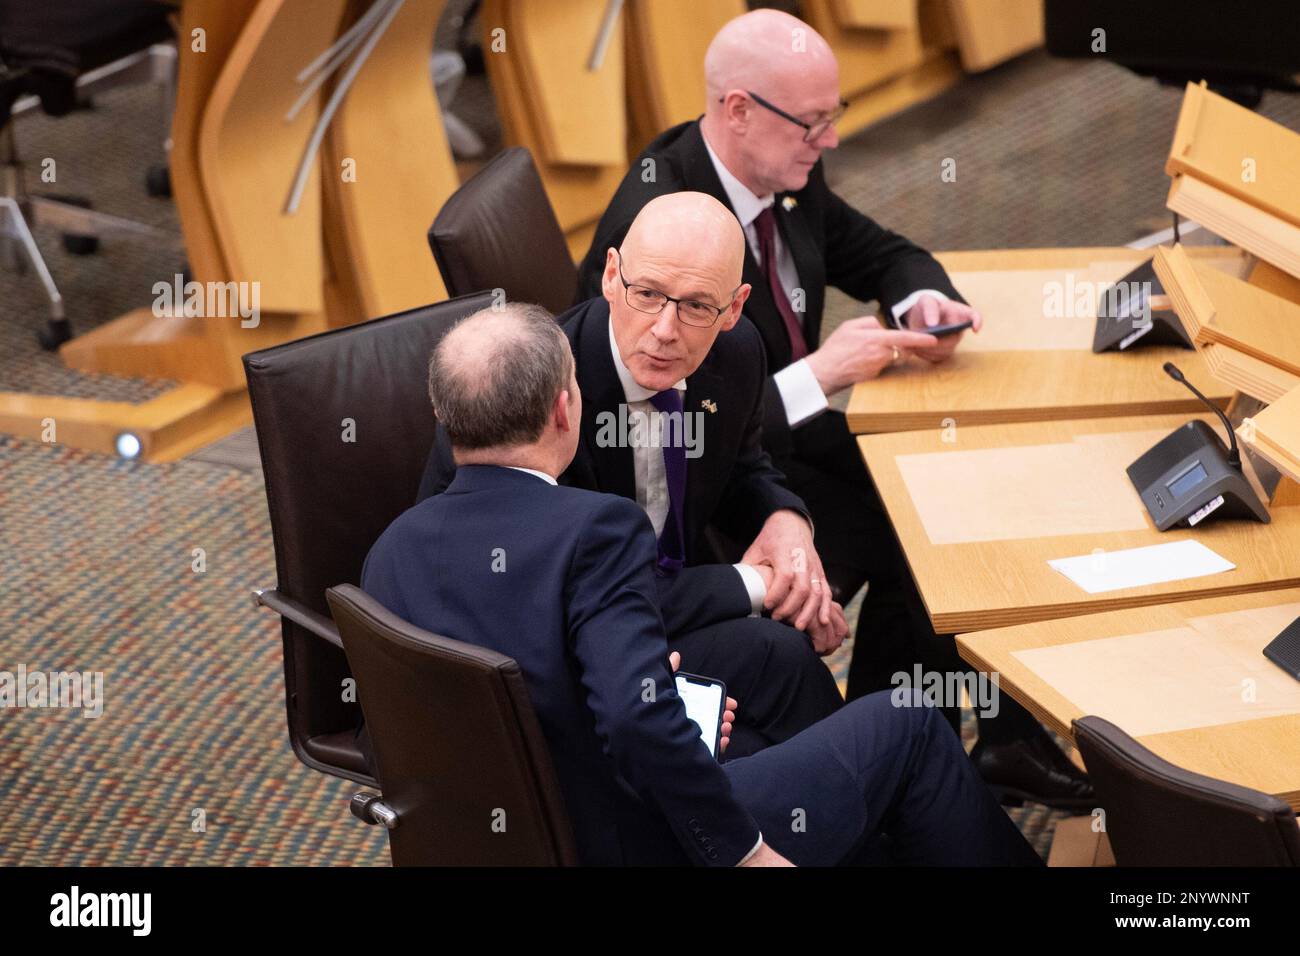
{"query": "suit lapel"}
pixel 602 392
pixel 706 403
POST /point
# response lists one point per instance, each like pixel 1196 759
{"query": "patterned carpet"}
pixel 99 577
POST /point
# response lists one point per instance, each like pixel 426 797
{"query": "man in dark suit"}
pixel 561 580
pixel 665 345
pixel 772 101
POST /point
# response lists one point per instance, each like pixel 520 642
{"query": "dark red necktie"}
pixel 765 226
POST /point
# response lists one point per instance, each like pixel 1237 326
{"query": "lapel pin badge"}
pixel 788 203
pixel 711 406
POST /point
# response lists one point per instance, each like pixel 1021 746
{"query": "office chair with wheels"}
pixel 498 231
pixel 344 426
pixel 465 772
pixel 1158 814
pixel 54 53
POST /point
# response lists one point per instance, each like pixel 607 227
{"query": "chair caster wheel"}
pixel 80 245
pixel 158 181
pixel 55 333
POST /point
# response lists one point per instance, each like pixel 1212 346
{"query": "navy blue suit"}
pixel 561 580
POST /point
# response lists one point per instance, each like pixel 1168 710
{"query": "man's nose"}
pixel 665 327
pixel 828 139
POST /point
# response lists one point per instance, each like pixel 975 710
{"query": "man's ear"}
pixel 609 280
pixel 735 108
pixel 561 412
pixel 737 306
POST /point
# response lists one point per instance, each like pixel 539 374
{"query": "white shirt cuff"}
pixel 901 307
pixel 754 585
pixel 801 394
pixel 745 859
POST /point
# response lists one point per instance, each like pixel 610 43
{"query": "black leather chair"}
pixel 344 426
pixel 464 770
pixel 1158 814
pixel 498 231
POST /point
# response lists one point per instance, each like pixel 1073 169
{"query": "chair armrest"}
pixel 287 607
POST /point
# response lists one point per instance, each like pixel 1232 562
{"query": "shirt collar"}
pixel 529 471
pixel 744 203
pixel 633 391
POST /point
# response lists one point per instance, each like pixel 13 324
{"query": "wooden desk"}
pixel 1262 752
pixel 1026 366
pixel 1003 580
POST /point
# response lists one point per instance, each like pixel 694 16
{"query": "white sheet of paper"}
pixel 1138 567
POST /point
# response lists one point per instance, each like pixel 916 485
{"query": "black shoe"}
pixel 1035 770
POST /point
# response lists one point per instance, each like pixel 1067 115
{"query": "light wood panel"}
pixel 1238 151
pixel 866 57
pixel 169 427
pixel 999 583
pixel 979 386
pixel 390 128
pixel 578 113
pixel 876 14
pixel 1263 753
pixel 196 74
pixel 578 194
pixel 666 42
pixel 990 32
pixel 249 155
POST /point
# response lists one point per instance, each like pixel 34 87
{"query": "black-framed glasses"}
pixel 692 312
pixel 812 131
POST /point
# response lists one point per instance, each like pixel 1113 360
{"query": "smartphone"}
pixel 705 700
pixel 940 331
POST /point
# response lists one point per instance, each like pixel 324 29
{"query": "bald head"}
pixel 762 70
pixel 688 231
pixel 765 50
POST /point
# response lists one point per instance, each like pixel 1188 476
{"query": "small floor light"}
pixel 128 445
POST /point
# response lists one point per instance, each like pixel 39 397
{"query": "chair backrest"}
pixel 344 426
pixel 460 756
pixel 498 231
pixel 1158 814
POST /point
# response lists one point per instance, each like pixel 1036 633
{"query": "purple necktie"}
pixel 672 555
pixel 765 226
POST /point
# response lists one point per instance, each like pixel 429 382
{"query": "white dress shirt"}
pixel 800 391
pixel 650 474
pixel 532 471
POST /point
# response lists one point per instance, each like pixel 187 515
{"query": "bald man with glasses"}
pixel 772 100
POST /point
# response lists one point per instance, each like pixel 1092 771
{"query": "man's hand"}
pixel 929 312
pixel 766 856
pixel 860 349
pixel 797 593
pixel 826 639
pixel 728 715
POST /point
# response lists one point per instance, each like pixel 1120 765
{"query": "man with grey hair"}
pixel 563 581
pixel 665 343
pixel 771 102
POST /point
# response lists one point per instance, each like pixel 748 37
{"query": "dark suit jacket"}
pixel 831 243
pixel 576 607
pixel 733 483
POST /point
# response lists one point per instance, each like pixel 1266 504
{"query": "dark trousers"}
pixel 857 544
pixel 877 783
pixel 780 684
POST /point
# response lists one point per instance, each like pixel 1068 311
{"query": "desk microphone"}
pixel 1189 475
pixel 1234 454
